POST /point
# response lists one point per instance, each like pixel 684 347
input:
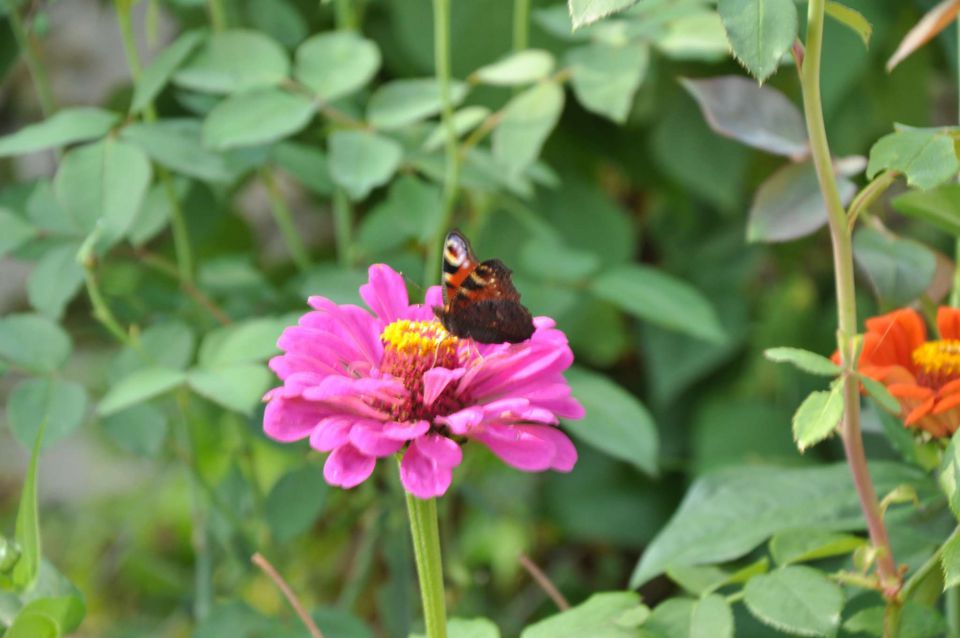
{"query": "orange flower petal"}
pixel 919 412
pixel 892 338
pixel 946 403
pixel 910 391
pixel 950 388
pixel 948 322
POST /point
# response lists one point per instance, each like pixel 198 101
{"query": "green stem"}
pixel 521 24
pixel 284 219
pixel 101 311
pixel 343 227
pixel 955 293
pixel 869 194
pixel 218 15
pixel 123 9
pixel 426 549
pixel 846 301
pixel 953 612
pixel 31 56
pixel 932 563
pixel 345 15
pixel 441 53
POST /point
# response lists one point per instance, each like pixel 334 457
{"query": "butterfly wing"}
pixel 458 263
pixel 486 307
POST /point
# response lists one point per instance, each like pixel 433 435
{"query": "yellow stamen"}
pixel 939 358
pixel 418 338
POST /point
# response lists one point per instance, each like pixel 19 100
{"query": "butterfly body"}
pixel 479 299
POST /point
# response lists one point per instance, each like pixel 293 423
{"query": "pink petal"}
pixel 386 293
pixel 291 419
pixel 434 297
pixel 421 473
pixel 565 454
pixel 464 421
pixel 519 446
pixel 369 438
pixel 331 433
pixel 436 380
pixel 441 449
pixel 405 430
pixel 347 467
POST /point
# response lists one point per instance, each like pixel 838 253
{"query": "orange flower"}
pixel 923 375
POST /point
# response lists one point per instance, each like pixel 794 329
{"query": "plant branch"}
pixel 868 195
pixel 426 549
pixel 268 569
pixel 284 219
pixel 343 227
pixel 521 24
pixel 545 583
pixel 441 53
pixel 38 73
pixel 846 302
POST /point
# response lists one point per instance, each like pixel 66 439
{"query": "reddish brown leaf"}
pixel 935 21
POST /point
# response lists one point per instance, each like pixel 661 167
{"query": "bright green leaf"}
pixel 336 64
pixel 950 561
pixel 361 161
pixel 804 360
pixel 940 206
pixel 760 32
pixel 241 342
pixel 55 280
pixel 798 600
pixel 595 618
pixel 926 157
pixel 56 405
pixel 68 126
pixel 584 12
pixel 238 387
pixel 464 121
pixel 33 625
pixel 818 416
pixel 157 74
pixel 806 544
pixel 899 269
pixel 27 532
pixel 33 342
pixel 852 19
pixel 652 295
pixel 235 60
pixel 138 387
pixel 256 117
pixel 521 67
pixel 605 78
pixel 615 421
pixel 400 103
pixel 527 121
pixel 712 618
pixel 880 394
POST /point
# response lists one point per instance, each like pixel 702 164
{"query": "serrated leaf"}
pixel 68 126
pixel 949 476
pixel 760 32
pixel 950 562
pixel 256 117
pixel 927 158
pixel 360 161
pixel 806 544
pixel 528 119
pixel 757 116
pixel 804 360
pixel 711 618
pixel 605 78
pixel 584 12
pixel 521 67
pixel 595 618
pixel 334 65
pixel 798 600
pixel 818 416
pixel 899 269
pixel 234 60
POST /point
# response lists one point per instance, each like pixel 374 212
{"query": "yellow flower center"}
pixel 418 338
pixel 938 361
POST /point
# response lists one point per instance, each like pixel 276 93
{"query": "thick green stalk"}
pixel 218 15
pixel 521 24
pixel 343 227
pixel 955 293
pixel 441 54
pixel 426 549
pixel 846 302
pixel 345 15
pixel 284 219
pixel 38 72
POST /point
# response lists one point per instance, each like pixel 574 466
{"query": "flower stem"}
pixel 441 53
pixel 846 302
pixel 955 293
pixel 426 549
pixel 521 22
pixel 101 310
pixel 281 214
pixel 38 72
pixel 343 227
pixel 218 15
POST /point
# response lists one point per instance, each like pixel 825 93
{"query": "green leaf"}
pixel 520 67
pixel 168 344
pixel 699 37
pixel 605 78
pixel 241 342
pixel 551 260
pixel 399 103
pixel 727 513
pixel 235 60
pixel 527 121
pixel 615 421
pixel 760 32
pixel 797 600
pixel 411 211
pixel 68 126
pixel 55 280
pixel 33 342
pixel 54 404
pixel 138 387
pixel 949 477
pixel 852 19
pixel 256 117
pixel 14 231
pixel 33 625
pixel 899 269
pixel 880 394
pixel 596 617
pixel 584 12
pixel 464 121
pixel 806 544
pixel 916 621
pixel 141 429
pixel 176 144
pixel 361 161
pixel 788 204
pixel 654 296
pixel 64 613
pixel 103 185
pixel 671 618
pixel 804 360
pixel 712 618
pixel 295 502
pixel 818 416
pixel 27 531
pixel 939 206
pixel 157 74
pixel 307 163
pixel 237 387
pixel 950 561
pixel 926 157
pixel 334 65
pixel 706 579
pixel 757 116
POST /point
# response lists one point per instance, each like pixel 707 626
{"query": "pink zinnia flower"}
pixel 365 386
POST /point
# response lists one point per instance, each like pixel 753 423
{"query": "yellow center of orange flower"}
pixel 938 362
pixel 410 348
